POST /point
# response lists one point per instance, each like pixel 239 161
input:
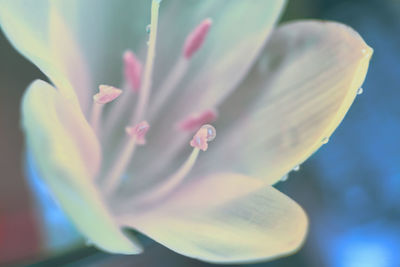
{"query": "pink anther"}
pixel 139 132
pixel 195 121
pixel 132 70
pixel 106 94
pixel 200 139
pixel 196 38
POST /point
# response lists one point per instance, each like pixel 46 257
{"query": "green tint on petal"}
pixel 291 102
pixel 224 218
pixel 68 156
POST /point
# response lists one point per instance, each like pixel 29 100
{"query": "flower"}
pixel 119 159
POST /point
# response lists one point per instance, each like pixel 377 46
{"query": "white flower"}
pixel 273 95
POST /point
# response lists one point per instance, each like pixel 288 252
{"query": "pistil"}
pixel 145 90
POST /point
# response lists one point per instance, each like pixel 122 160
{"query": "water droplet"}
pixel 284 178
pixel 325 140
pixel 360 91
pixel 148 29
pixel 296 168
pixel 211 132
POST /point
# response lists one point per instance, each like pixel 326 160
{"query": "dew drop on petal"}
pixel 284 178
pixel 211 132
pixel 148 29
pixel 325 140
pixel 296 168
pixel 360 91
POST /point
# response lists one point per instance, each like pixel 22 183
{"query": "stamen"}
pixel 200 140
pixel 106 94
pixel 137 134
pixel 132 70
pixel 195 121
pixel 148 72
pixel 207 133
pixel 196 38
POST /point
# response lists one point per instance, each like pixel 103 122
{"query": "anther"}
pixel 196 38
pixel 138 132
pixel 132 70
pixel 205 134
pixel 195 121
pixel 106 94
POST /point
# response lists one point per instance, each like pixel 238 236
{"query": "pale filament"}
pixel 137 137
pixel 199 142
pixel 145 89
pixel 168 86
pixel 171 182
pixel 114 176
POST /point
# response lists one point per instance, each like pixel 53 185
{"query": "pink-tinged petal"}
pixel 68 156
pixel 292 101
pixel 231 46
pixel 223 218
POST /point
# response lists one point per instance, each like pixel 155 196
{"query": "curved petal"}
pixel 292 101
pixel 77 44
pixel 234 41
pixel 68 156
pixel 39 32
pixel 224 218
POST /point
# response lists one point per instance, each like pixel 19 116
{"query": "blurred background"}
pixel 350 188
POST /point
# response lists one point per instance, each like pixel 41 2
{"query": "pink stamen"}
pixel 139 132
pixel 196 38
pixel 200 139
pixel 106 94
pixel 195 121
pixel 132 70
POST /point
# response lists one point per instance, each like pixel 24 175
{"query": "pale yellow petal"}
pixel 68 156
pixel 223 218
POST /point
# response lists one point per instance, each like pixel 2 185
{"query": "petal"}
pixel 68 155
pixel 39 32
pixel 76 42
pixel 233 43
pixel 224 218
pixel 293 100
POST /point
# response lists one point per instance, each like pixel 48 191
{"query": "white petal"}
pixel 293 100
pixel 223 218
pixel 68 155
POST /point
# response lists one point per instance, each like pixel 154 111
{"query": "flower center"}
pixel 138 81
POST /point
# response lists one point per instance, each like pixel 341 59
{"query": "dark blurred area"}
pixel 350 188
